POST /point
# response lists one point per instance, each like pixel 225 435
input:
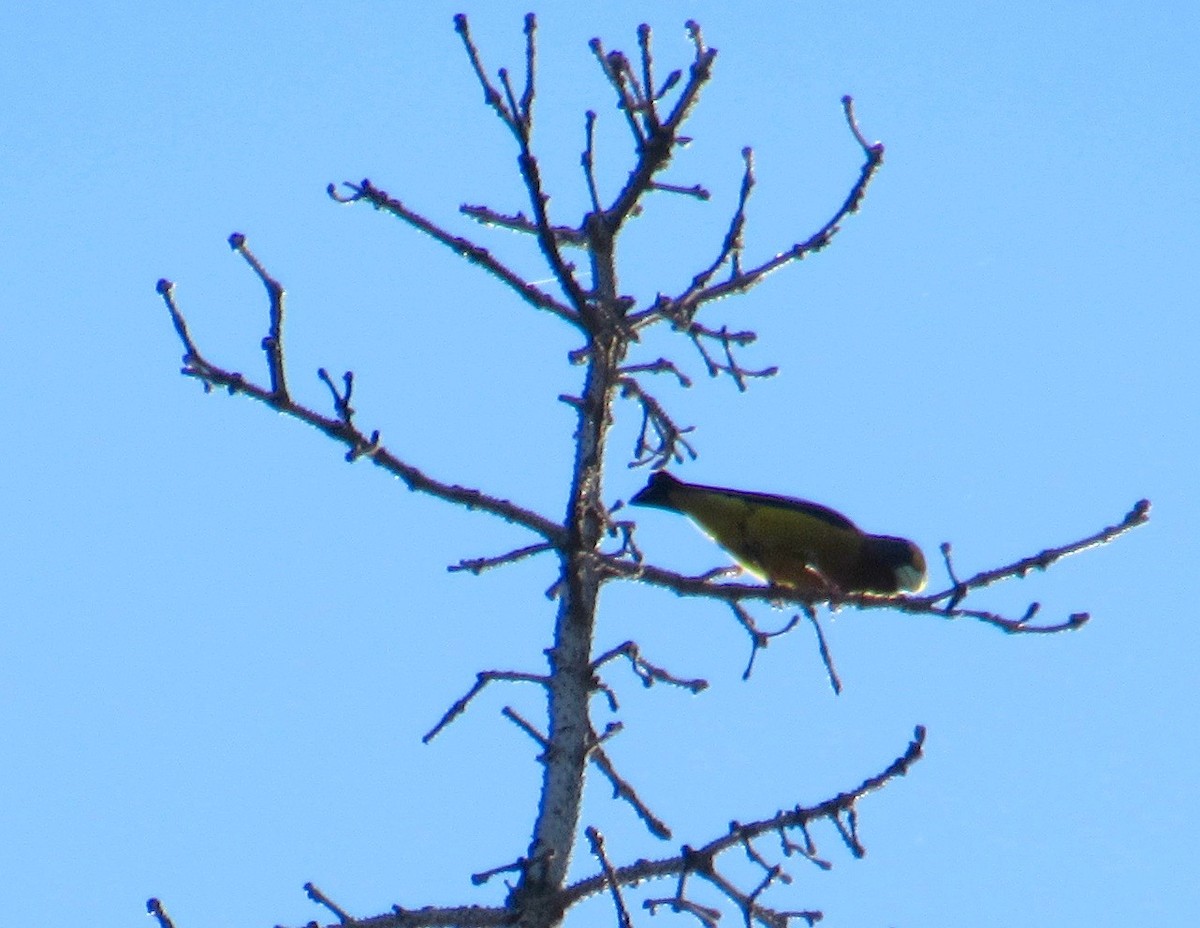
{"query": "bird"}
pixel 792 543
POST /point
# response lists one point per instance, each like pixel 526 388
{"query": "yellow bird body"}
pixel 792 542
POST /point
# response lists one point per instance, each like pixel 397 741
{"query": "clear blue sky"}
pixel 221 643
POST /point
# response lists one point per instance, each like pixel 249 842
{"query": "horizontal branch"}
pixel 519 222
pixel 477 565
pixel 1138 515
pixel 461 916
pixel 647 672
pixel 916 605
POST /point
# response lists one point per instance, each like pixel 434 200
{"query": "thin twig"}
pixel 478 879
pixel 1138 515
pixel 476 254
pixel 479 564
pixel 647 672
pixel 155 907
pixel 826 658
pixel 596 840
pixel 587 160
pixel 682 306
pixel 491 96
pixel 749 278
pixel 273 343
pixel 321 899
pixel 644 43
pixel 341 400
pixel 482 679
pixel 623 789
pixel 758 638
pixel 613 66
pixel 526 726
pixel 699 860
pixel 359 444
pixel 669 443
pixel 519 222
pixel 661 366
pixel 726 339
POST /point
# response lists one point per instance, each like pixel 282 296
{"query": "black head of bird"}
pixel 792 542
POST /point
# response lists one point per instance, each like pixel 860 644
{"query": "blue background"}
pixel 221 643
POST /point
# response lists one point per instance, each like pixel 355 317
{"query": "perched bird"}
pixel 792 542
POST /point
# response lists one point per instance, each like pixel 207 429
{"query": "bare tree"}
pixel 591 544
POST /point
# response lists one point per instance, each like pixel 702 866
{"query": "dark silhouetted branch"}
pixel 647 672
pixel 482 679
pixel 155 907
pixel 596 840
pixel 321 899
pixel 735 593
pixel 343 430
pixel 366 192
pixel 701 861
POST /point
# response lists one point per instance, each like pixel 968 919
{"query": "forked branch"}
pixel 701 861
pixel 340 426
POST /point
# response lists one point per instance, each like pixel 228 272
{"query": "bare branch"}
pixel 648 673
pixel 706 915
pixel 682 308
pixel 615 68
pixel 623 789
pixel 644 43
pixel 773 871
pixel 321 899
pixel 526 726
pixel 745 280
pixel 491 95
pixel 661 366
pixel 155 907
pixel 341 399
pixel 727 340
pixel 273 343
pixel 758 638
pixel 519 119
pixel 517 866
pixel 807 850
pixel 519 222
pixel 522 117
pixel 482 679
pixel 655 149
pixel 191 354
pixel 623 529
pixel 588 161
pixel 480 564
pixel 596 840
pixel 476 254
pixel 1138 515
pixel 834 680
pixel 695 190
pixel 699 860
pixel 530 66
pixel 344 431
pixel 668 436
pixel 915 605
